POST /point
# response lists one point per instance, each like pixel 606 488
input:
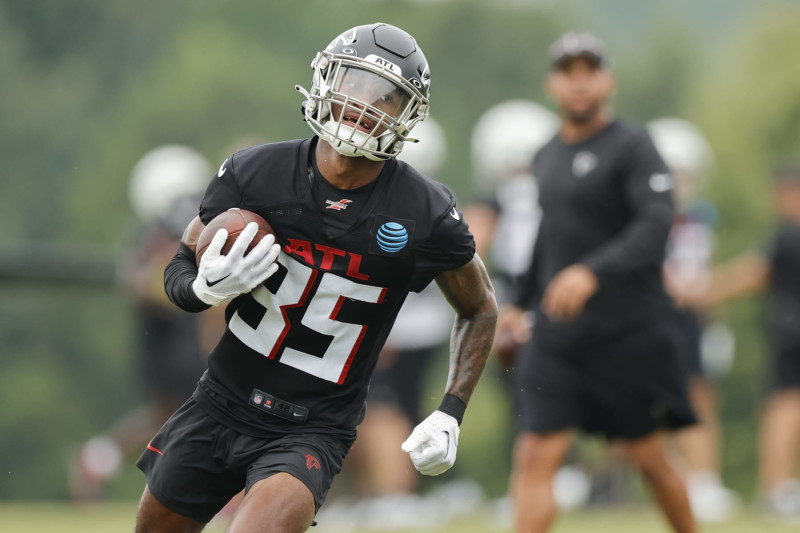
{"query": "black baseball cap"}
pixel 578 44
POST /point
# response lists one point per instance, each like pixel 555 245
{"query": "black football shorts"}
pixel 195 464
pixel 398 380
pixel 785 363
pixel 688 333
pixel 623 388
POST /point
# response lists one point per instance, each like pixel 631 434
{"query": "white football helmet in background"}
pixel 506 138
pixel 164 179
pixel 504 142
pixel 427 155
pixel 686 153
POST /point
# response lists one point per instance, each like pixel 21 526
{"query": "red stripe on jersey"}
pixel 287 326
pixel 153 448
pixel 337 308
pixel 358 342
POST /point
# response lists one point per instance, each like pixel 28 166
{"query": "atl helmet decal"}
pixel 392 237
pixel 347 38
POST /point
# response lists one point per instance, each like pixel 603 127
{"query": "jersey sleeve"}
pixel 647 187
pixel 449 246
pixel 222 193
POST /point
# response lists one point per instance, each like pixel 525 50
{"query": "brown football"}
pixel 234 220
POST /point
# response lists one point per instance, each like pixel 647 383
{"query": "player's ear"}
pixel 548 85
pixel 610 82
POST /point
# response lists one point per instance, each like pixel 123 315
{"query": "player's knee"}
pixel 153 517
pixel 537 454
pixel 652 463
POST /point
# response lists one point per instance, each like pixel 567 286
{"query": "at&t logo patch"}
pixel 392 237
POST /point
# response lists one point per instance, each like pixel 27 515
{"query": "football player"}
pixel 773 268
pixel 601 359
pixel 356 230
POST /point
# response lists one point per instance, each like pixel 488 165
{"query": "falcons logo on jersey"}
pixel 338 205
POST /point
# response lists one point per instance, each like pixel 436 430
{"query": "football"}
pixel 234 220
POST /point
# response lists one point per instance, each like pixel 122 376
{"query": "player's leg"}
pixel 699 444
pixel 190 476
pixel 278 504
pixel 780 438
pixel 153 517
pixel 537 458
pixel 649 457
pixel 290 480
pixel 385 465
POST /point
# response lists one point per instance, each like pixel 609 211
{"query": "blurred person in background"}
pixel 383 478
pixel 506 217
pixel 705 347
pixel 504 221
pixel 600 359
pixel 277 410
pixel 164 189
pixel 773 268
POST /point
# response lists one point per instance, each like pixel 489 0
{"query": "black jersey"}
pixel 784 257
pixel 606 203
pixel 311 334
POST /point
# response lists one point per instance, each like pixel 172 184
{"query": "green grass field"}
pixel 25 517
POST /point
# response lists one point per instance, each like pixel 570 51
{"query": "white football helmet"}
pixel 164 178
pixel 427 155
pixel 686 153
pixel 370 87
pixel 506 138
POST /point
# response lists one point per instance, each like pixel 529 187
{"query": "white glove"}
pixel 433 443
pixel 220 277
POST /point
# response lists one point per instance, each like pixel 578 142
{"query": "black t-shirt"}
pixel 607 204
pixel 784 256
pixel 312 333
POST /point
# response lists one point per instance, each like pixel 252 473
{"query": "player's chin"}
pixel 581 115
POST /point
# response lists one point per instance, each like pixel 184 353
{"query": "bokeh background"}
pixel 88 86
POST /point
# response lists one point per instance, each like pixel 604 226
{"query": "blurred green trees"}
pixel 90 86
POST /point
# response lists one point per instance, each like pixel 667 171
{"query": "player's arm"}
pixel 219 277
pixel 748 274
pixel 470 293
pixel 182 271
pixel 433 443
pixel 647 187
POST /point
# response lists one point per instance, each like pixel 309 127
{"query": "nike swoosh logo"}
pixel 454 214
pixel 212 283
pixel 222 169
pixel 153 448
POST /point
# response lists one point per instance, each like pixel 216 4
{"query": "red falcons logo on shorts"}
pixel 312 462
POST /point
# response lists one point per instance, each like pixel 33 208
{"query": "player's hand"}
pixel 220 277
pixel 567 293
pixel 514 327
pixel 433 443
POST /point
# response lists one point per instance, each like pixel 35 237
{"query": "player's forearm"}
pixel 470 345
pixel 642 243
pixel 178 278
pixel 745 276
pixel 470 292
